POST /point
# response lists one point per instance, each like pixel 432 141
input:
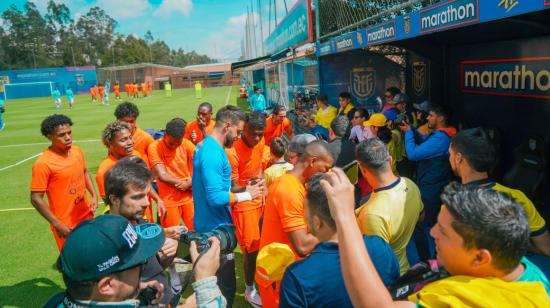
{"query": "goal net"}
pixel 25 90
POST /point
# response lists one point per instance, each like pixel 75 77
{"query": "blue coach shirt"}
pixel 211 186
pixel 317 280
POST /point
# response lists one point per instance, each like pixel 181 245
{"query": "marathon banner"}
pixel 523 77
pixel 383 33
pixel 434 18
pixel 294 30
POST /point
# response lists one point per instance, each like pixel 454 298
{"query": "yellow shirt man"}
pixel 536 222
pixel 392 213
pixel 325 116
pixel 275 171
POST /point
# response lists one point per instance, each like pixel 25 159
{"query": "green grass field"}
pixel 27 276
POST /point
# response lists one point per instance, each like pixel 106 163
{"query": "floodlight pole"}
pixel 72 52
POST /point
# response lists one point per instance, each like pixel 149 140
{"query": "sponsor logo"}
pixel 524 77
pixel 407 24
pixel 363 82
pixel 508 5
pixel 130 236
pixel 449 14
pixel 359 38
pixel 419 77
pixel 325 48
pixel 148 231
pixel 344 42
pixel 382 33
pixel 108 264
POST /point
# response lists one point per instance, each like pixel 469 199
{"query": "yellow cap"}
pixel 377 120
pixel 273 260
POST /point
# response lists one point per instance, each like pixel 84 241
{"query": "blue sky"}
pixel 212 27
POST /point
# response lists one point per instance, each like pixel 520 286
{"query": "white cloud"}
pixel 168 7
pixel 130 9
pixel 226 43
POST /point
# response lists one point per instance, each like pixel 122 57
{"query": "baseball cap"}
pixel 299 143
pixel 391 114
pixel 400 98
pixel 272 261
pixel 377 119
pixel 107 244
pixel 423 106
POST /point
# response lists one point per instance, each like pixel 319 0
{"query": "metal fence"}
pixel 338 16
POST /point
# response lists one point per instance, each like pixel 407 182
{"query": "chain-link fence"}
pixel 338 16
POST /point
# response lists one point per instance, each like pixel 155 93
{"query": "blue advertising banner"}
pixel 295 29
pixel 382 33
pixel 522 77
pixel 34 82
pixel 437 17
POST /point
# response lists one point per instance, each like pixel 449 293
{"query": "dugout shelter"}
pixel 488 61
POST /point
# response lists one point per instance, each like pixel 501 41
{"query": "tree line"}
pixel 28 39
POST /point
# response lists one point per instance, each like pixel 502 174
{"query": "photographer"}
pixel 432 154
pixel 481 237
pixel 111 237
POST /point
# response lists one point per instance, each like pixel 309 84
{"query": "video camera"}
pixel 224 233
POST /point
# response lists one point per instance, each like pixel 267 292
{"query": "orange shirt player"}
pixel 116 89
pixel 248 158
pixel 129 112
pixel 149 88
pixel 101 91
pixel 144 89
pixel 93 93
pixel 284 220
pixel 171 159
pixel 202 126
pixel 276 124
pixel 118 140
pixel 60 173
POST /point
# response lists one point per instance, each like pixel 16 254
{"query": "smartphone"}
pixel 352 172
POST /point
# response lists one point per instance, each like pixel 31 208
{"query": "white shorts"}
pixel 57 100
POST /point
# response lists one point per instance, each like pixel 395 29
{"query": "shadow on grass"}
pixel 31 293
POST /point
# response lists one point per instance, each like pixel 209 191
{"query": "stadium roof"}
pixel 142 65
pixel 210 67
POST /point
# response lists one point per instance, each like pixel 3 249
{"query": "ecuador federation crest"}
pixel 363 82
pixel 407 24
pixel 419 77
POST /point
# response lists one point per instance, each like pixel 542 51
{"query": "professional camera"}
pixel 401 119
pixel 224 233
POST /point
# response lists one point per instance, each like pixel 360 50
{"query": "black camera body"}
pixel 225 234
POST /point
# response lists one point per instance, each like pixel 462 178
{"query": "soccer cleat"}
pixel 253 298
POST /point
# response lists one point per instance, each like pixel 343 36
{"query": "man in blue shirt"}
pixel 257 101
pixel 70 96
pixel 57 98
pixel 316 281
pixel 211 184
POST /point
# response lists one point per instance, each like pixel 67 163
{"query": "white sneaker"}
pixel 253 298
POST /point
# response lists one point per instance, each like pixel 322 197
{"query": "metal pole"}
pixel 72 51
pixel 275 11
pixel 261 29
pixel 255 46
pixel 113 51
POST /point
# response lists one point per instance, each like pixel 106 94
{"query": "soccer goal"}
pixel 30 89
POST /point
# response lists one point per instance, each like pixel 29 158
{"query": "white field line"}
pixel 228 95
pixel 29 208
pixel 20 162
pixel 42 143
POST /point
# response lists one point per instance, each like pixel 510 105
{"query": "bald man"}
pixel 284 212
